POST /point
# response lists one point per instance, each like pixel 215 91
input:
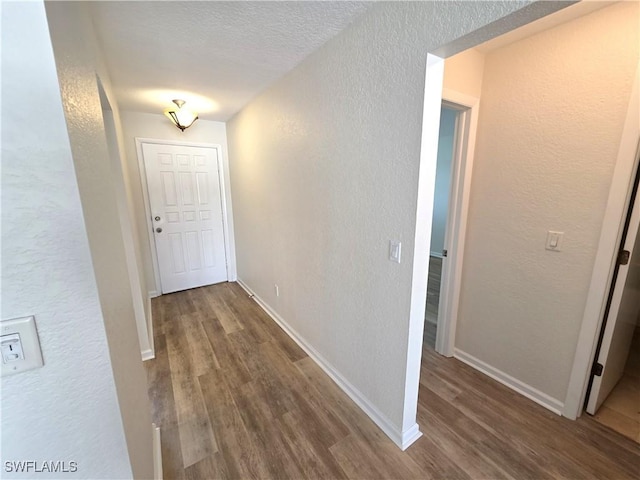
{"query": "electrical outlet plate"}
pixel 31 358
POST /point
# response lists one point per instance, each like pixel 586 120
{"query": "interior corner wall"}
pixel 463 72
pixel 157 126
pixel 324 169
pixel 552 112
pixel 133 242
pixel 141 302
pixel 77 57
pixel 67 410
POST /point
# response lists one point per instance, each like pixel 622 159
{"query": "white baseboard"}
pixel 153 294
pixel 402 439
pixel 409 436
pixel 148 355
pixel 157 453
pixel 150 330
pixel 541 398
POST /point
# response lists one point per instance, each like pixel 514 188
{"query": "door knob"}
pixel 159 230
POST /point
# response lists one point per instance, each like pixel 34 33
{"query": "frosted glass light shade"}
pixel 181 117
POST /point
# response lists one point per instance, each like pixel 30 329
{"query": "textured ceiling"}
pixel 215 55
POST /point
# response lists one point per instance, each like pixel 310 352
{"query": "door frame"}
pixel 143 323
pixel 456 230
pixel 610 317
pixel 433 97
pixel 225 190
pixel 610 236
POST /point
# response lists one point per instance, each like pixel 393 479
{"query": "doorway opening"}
pixel 446 143
pixel 613 390
pixel 503 237
pixel 458 119
pixel 143 318
pixel 186 209
pixel 620 409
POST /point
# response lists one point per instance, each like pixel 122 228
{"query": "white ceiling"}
pixel 215 55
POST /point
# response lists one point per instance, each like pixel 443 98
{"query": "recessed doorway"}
pixel 613 391
pixel 186 213
pixel 441 201
pixel 458 120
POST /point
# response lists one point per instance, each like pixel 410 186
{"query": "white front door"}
pixel 186 213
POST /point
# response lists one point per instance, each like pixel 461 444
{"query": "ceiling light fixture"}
pixel 181 117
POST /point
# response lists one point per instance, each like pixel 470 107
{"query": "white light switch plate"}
pixel 554 241
pixel 29 345
pixel 395 251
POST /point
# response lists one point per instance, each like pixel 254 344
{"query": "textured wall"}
pixel 141 303
pixel 77 57
pixel 324 169
pixel 67 410
pixel 443 180
pixel 463 72
pixel 157 126
pixel 553 107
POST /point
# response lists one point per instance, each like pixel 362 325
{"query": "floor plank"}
pixel 196 437
pixel 235 397
pixel 237 450
pixel 621 409
pixel 433 301
pixel 309 451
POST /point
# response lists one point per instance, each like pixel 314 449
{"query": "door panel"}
pixel 622 318
pixel 186 209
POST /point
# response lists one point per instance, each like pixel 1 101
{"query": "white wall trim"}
pixel 401 438
pixel 153 294
pixel 434 75
pixel 456 231
pixel 157 453
pixel 149 353
pixel 225 190
pixel 617 204
pixel 541 398
pixel 150 325
pixel 147 211
pixel 409 437
pixel 124 215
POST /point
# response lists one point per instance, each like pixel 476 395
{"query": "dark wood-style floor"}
pixel 433 301
pixel 235 397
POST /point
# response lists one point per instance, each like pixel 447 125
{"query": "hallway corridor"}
pixel 235 397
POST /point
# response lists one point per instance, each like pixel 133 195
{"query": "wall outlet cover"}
pixel 25 328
